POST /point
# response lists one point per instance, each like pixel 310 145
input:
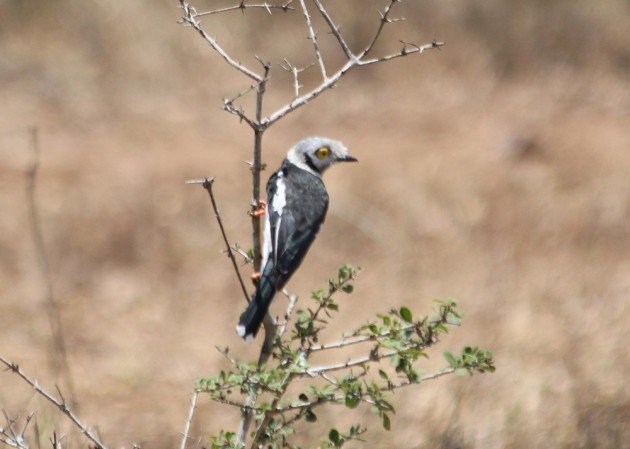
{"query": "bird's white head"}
pixel 316 154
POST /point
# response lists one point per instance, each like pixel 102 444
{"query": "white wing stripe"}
pixel 266 241
pixel 279 200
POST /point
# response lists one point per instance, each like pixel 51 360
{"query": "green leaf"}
pixel 387 425
pixel 348 288
pixel 383 374
pixel 352 401
pixel 334 437
pixel 450 358
pixel 310 416
pixel 406 315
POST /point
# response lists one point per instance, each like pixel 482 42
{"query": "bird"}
pixel 297 202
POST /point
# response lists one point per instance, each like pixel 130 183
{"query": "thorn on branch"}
pixel 263 166
pixel 229 106
pixel 295 71
pixel 312 35
pixel 243 5
pixel 61 406
pixel 287 6
pixel 437 44
pixel 190 19
pixel 266 64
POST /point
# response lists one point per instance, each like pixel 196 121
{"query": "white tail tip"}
pixel 240 330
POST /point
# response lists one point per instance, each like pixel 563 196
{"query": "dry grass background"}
pixel 496 171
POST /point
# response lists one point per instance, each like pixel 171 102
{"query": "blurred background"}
pixel 495 171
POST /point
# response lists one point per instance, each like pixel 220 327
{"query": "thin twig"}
pixel 335 30
pixel 238 111
pixel 295 71
pixel 62 406
pixel 9 436
pixel 242 6
pixel 243 92
pixel 191 412
pixel 341 399
pixel 313 37
pixel 287 315
pixel 190 19
pixel 225 353
pixel 207 184
pixel 38 437
pixel 357 339
pixel 59 353
pixel 239 405
pixel 317 370
pixel 333 79
pixel 246 257
pixel 405 51
pixel 384 19
pixel 324 303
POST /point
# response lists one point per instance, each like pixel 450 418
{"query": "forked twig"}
pixel 59 404
pixel 335 30
pixel 9 436
pixel 384 20
pixel 295 71
pixel 190 19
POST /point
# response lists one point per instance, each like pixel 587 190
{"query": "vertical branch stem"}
pixel 191 412
pixel 256 170
pixel 270 328
pixel 257 167
pixel 59 353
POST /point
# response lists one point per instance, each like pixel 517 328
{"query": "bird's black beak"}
pixel 349 158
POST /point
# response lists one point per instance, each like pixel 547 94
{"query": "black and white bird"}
pixel 297 202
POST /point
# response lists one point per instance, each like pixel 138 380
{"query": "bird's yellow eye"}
pixel 322 153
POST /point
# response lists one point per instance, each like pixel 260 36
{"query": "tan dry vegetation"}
pixel 496 171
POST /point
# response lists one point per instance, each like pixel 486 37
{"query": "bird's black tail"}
pixel 255 313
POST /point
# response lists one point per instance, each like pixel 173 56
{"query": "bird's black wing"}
pixel 295 226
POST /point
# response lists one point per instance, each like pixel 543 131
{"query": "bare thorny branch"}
pixel 191 412
pixel 312 35
pixel 60 403
pixel 353 60
pixel 259 123
pixel 207 184
pixel 244 5
pixel 12 437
